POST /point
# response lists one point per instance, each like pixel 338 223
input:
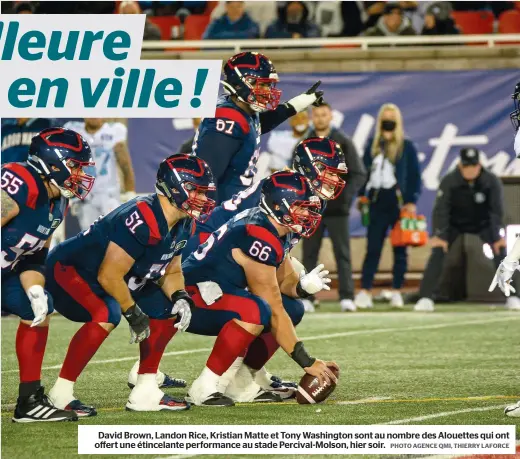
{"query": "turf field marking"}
pixel 443 414
pixel 311 338
pixel 425 400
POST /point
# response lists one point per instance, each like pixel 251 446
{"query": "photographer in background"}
pixel 336 216
pixel 394 183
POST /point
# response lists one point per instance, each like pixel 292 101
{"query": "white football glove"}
pixel 39 304
pixel 305 100
pixel 315 281
pixel 503 277
pixel 182 309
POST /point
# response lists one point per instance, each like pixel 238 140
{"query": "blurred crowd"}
pixel 269 19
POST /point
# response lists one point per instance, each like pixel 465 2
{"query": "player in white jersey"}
pixel 108 142
pixel 510 263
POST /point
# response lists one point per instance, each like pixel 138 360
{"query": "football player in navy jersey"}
pixel 322 161
pixel 102 273
pixel 230 142
pixel 35 197
pixel 237 276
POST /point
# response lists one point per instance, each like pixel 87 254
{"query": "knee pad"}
pixel 294 308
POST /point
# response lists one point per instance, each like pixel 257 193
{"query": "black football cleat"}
pixel 264 396
pixel 38 408
pixel 82 410
pixel 218 399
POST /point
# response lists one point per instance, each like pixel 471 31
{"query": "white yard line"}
pixel 314 337
pixel 443 414
pixel 363 401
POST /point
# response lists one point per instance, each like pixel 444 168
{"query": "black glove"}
pixel 318 94
pixel 139 324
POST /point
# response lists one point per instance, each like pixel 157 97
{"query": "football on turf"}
pixel 310 390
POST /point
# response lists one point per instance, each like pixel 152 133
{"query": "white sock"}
pixel 229 374
pixel 147 379
pixel 262 377
pixel 210 378
pixel 62 393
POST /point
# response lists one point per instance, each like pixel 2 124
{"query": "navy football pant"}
pixel 15 300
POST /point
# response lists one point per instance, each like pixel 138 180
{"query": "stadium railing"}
pixel 489 40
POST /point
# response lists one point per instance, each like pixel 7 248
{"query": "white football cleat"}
pixel 244 387
pixel 513 303
pixel 146 396
pixel 204 391
pixel 396 300
pixel 363 300
pixel 347 306
pixel 424 305
pixel 513 411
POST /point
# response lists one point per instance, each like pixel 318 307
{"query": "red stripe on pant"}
pixel 78 289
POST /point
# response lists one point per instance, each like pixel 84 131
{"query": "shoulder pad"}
pixel 20 184
pixel 231 119
pixel 262 245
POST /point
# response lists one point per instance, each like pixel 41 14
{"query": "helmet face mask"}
pixel 64 158
pixel 515 115
pixel 322 162
pixel 304 217
pixel 183 179
pixel 194 206
pixel 288 198
pixel 252 78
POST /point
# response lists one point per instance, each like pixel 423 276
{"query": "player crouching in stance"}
pixel 35 196
pixel 510 263
pixel 236 279
pixel 106 271
pixel 323 163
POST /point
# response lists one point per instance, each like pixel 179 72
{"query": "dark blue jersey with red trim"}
pixel 140 229
pixel 38 216
pixel 16 138
pixel 246 199
pixel 250 231
pixel 230 144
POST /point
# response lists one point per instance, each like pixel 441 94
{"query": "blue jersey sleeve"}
pixel 261 245
pixel 20 185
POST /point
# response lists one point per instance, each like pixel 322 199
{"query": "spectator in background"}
pixel 281 143
pixel 24 8
pixel 263 13
pixel 392 23
pixel 394 182
pixel 186 147
pixel 438 20
pixel 372 12
pixel 336 215
pixel 293 22
pixel 17 135
pixel 353 14
pixel 236 23
pixel 151 31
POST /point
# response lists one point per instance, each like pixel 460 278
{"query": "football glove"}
pixel 503 277
pixel 313 282
pixel 139 324
pixel 182 304
pixel 305 100
pixel 39 304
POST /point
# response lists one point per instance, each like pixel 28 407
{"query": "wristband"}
pixel 301 292
pixel 182 295
pixel 133 313
pixel 301 357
